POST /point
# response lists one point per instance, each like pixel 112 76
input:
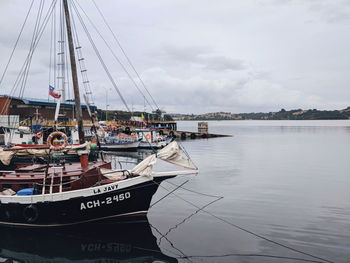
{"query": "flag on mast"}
pixel 53 93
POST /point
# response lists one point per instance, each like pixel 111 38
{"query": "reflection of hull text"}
pixel 108 248
pixel 107 201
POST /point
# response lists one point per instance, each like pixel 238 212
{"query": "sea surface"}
pixel 276 191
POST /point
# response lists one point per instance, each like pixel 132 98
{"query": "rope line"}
pixel 114 55
pixel 168 194
pixel 248 231
pixel 15 46
pixel 123 51
pixel 99 56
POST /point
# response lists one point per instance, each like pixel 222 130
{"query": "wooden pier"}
pixel 183 135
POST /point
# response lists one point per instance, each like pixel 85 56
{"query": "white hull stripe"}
pixel 91 191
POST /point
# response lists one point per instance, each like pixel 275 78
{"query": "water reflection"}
pixel 129 242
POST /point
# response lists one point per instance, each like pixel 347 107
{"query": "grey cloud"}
pixel 221 63
pixel 335 11
pixel 199 56
pixel 331 11
pixel 204 57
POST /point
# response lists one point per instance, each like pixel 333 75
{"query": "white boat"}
pixel 152 139
pixel 119 141
pixel 21 135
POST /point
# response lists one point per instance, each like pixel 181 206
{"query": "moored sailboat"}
pixel 61 194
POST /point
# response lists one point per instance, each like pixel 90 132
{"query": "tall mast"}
pixel 78 111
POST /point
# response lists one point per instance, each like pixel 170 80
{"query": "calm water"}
pixel 287 181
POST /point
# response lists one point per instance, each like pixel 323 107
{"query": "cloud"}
pixel 236 56
pixel 202 57
pixel 335 11
pixel 199 95
pixel 331 11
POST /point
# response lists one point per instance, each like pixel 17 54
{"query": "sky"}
pixel 197 56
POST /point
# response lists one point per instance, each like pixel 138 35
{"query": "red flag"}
pixel 53 93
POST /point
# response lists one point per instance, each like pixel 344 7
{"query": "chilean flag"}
pixel 53 93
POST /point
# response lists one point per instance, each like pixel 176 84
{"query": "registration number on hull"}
pixel 106 201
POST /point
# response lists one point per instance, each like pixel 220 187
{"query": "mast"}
pixel 78 111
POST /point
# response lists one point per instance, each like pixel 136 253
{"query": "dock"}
pixel 183 135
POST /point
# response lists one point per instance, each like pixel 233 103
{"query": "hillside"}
pixel 298 114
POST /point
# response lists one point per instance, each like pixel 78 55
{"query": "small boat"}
pixel 22 135
pixel 120 142
pixel 152 139
pixel 25 145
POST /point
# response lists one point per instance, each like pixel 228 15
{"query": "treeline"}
pixel 124 115
pixel 298 114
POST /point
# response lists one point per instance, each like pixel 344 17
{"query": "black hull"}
pixel 127 242
pixel 115 205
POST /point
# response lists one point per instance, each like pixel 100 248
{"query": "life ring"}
pixel 30 213
pixel 57 136
pixel 148 136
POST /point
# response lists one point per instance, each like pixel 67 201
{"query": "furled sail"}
pixel 172 153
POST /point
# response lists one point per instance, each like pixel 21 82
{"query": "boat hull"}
pixel 132 146
pixel 117 204
pixel 154 145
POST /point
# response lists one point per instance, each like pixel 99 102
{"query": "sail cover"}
pixel 171 154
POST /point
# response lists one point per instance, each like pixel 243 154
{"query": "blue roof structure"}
pixel 43 102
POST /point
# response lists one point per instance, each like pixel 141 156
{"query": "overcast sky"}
pixel 203 56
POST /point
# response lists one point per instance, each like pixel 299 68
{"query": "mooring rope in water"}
pixel 251 255
pixel 168 194
pixel 246 230
pixel 171 243
pixel 187 218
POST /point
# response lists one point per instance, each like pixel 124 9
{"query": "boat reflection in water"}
pixel 122 242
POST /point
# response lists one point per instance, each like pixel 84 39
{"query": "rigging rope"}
pixel 115 56
pixel 6 104
pixel 99 56
pixel 123 51
pixel 36 41
pixel 16 43
pixel 31 49
pixel 21 72
pixel 81 62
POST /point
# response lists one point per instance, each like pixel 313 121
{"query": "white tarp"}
pixel 171 153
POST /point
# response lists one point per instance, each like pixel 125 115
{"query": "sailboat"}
pixel 59 194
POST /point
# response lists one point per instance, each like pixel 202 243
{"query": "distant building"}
pixel 27 108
